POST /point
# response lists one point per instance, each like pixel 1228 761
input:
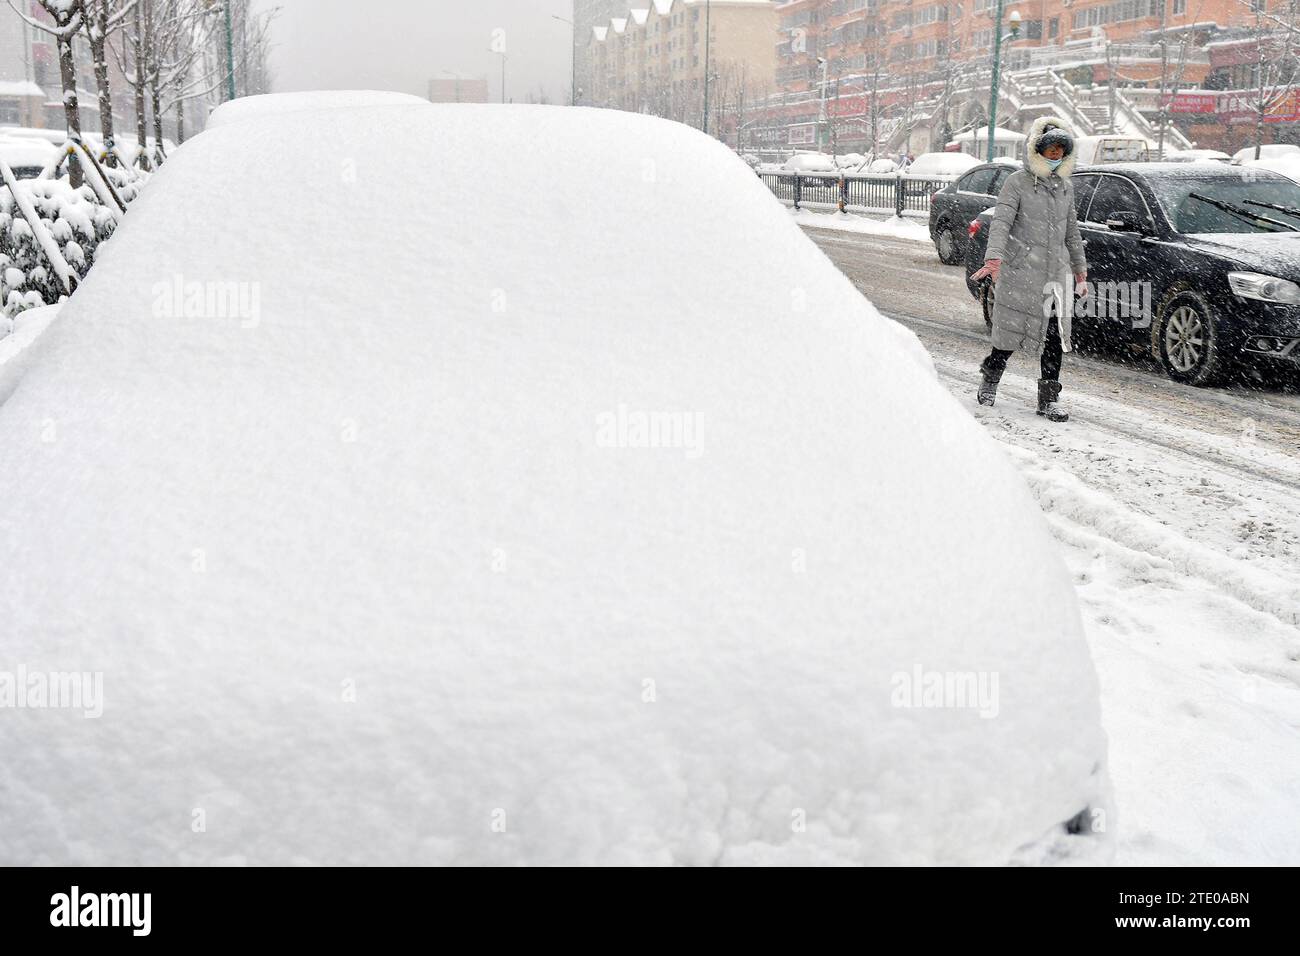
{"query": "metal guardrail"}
pixel 898 193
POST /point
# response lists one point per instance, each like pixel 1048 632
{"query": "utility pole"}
pixel 1164 72
pixel 230 53
pixel 573 60
pixel 708 39
pixel 821 112
pixel 997 70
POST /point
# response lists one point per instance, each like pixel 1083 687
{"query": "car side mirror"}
pixel 1125 220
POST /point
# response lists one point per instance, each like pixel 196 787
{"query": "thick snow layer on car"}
pixel 598 519
pixel 27 151
pixel 941 164
pixel 1285 164
pixel 276 104
pixel 810 163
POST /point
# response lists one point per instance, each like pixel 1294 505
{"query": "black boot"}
pixel 1048 406
pixel 989 386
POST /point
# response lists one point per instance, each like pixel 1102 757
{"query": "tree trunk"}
pixel 155 95
pixel 71 108
pixel 180 121
pixel 141 124
pixel 98 30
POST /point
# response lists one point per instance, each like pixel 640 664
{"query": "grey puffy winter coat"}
pixel 1036 235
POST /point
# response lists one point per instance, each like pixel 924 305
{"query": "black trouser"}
pixel 1051 364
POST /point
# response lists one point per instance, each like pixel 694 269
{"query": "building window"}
pixel 1054 28
pixel 1180 7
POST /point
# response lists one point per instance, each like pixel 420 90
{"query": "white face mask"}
pixel 1054 163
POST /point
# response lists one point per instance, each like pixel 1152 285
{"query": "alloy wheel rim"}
pixel 945 243
pixel 1184 338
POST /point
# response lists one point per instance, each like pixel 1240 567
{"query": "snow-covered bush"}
pixel 74 218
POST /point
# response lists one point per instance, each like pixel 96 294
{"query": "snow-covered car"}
pixel 810 163
pixel 941 165
pixel 1271 151
pixel 878 167
pixel 1109 148
pixel 1196 156
pixel 389 527
pixel 1287 164
pixel 27 157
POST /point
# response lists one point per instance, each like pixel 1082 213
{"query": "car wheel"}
pixel 1188 341
pixel 945 241
pixel 986 303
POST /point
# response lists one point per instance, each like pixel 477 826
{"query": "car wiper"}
pixel 1240 213
pixel 1289 210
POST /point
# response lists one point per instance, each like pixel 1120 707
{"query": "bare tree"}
pixel 1275 65
pixel 68 17
pixel 103 18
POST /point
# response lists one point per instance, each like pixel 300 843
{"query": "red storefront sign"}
pixel 847 106
pixel 1192 103
pixel 1240 106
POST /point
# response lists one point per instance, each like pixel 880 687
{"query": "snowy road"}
pixel 1178 510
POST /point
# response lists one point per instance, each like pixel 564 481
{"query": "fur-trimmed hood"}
pixel 1034 161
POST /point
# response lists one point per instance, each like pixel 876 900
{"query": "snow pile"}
pixel 599 519
pixel 893 227
pixel 75 221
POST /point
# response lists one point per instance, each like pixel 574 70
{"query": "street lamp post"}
pixel 457 78
pixel 997 69
pixel 708 40
pixel 573 60
pixel 822 119
pixel 503 76
pixel 230 54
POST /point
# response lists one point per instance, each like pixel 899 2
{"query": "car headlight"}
pixel 1252 285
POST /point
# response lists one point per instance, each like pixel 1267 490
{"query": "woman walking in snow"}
pixel 1033 252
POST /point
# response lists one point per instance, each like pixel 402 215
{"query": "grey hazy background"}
pixel 402 44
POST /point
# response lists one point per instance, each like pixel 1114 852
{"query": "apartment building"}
pixel 926 65
pixel 652 59
pixel 30 88
pixel 587 15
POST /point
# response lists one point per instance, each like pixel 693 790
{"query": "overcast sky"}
pixel 402 44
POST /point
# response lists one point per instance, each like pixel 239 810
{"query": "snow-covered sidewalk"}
pixel 894 227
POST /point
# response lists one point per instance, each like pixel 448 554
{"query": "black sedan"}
pixel 1200 263
pixel 952 207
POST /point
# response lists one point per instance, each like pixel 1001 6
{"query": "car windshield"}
pixel 1258 198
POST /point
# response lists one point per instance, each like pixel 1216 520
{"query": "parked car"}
pixel 348 452
pixel 27 157
pixel 1196 156
pixel 807 164
pixel 1212 257
pixel 877 167
pixel 941 165
pixel 1267 151
pixel 1104 150
pixel 955 205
